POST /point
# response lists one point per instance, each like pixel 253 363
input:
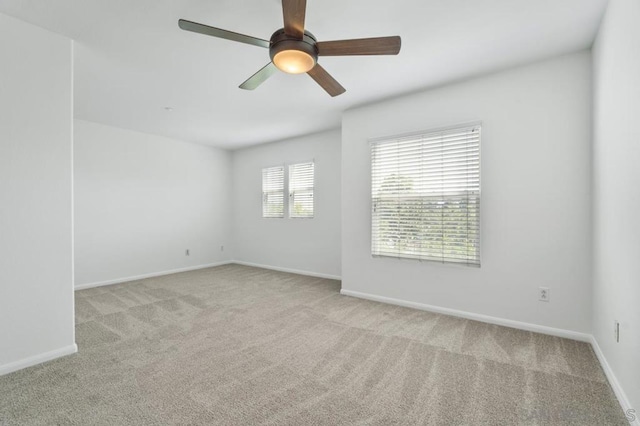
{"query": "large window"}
pixel 273 192
pixel 425 194
pixel 301 190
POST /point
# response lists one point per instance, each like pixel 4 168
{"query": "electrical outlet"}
pixel 616 331
pixel 186 252
pixel 221 248
pixel 544 294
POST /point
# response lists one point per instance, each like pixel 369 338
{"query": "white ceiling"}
pixel 132 60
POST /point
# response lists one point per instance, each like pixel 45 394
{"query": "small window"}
pixel 273 192
pixel 301 190
pixel 425 196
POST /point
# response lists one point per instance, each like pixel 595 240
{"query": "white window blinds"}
pixel 425 192
pixel 273 192
pixel 301 190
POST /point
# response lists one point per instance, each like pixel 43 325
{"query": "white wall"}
pixel 309 245
pixel 36 271
pixel 616 179
pixel 142 200
pixel 535 195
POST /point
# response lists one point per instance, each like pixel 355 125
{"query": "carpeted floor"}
pixel 236 345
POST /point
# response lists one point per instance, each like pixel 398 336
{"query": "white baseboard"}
pixel 150 275
pixel 615 384
pixel 574 335
pixel 289 270
pixel 583 337
pixel 210 265
pixel 37 359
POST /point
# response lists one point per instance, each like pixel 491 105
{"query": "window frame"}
pixel 291 198
pixel 472 201
pixel 265 194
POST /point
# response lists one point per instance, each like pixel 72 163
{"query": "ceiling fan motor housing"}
pixel 281 42
pixel 297 52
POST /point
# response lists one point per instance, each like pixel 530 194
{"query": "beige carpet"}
pixel 236 345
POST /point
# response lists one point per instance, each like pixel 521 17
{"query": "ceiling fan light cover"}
pixel 294 50
pixel 294 61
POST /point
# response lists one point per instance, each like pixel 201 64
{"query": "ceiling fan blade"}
pixel 324 79
pixel 294 12
pixel 361 46
pixel 217 32
pixel 260 77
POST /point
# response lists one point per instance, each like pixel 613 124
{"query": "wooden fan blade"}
pixel 324 79
pixel 260 77
pixel 361 46
pixel 217 32
pixel 294 12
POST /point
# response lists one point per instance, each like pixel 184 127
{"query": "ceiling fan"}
pixel 294 50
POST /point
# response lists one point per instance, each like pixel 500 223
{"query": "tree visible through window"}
pixel 426 196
